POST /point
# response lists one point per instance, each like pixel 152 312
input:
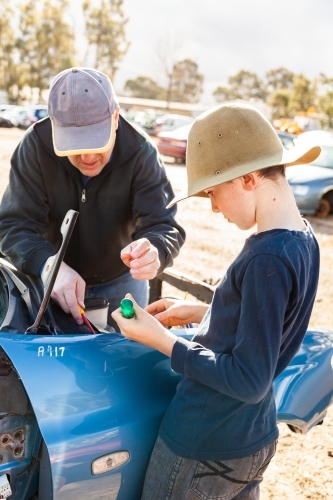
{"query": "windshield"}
pixel 325 159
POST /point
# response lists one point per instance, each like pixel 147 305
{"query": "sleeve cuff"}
pixel 178 355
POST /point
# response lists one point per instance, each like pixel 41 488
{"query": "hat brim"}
pixel 94 138
pixel 298 155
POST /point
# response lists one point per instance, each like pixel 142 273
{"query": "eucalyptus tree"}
pixel 7 46
pixel 105 23
pixel 186 82
pixel 46 41
pixel 243 85
pixel 144 87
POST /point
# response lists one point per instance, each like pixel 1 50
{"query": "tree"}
pixel 167 51
pixel 279 85
pixel 278 79
pixel 46 42
pixel 279 101
pixel 325 97
pixel 7 44
pixel 302 96
pixel 144 87
pixel 223 93
pixel 186 82
pixel 244 85
pixel 105 31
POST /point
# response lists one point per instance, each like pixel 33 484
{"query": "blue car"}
pixel 80 411
pixel 312 184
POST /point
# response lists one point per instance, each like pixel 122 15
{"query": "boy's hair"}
pixel 272 172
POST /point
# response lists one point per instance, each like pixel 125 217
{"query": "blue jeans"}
pixel 114 291
pixel 170 477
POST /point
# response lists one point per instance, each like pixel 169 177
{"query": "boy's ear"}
pixel 249 181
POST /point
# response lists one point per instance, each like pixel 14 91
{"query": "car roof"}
pixel 178 133
pixel 317 137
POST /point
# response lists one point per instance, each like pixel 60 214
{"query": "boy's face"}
pixel 235 200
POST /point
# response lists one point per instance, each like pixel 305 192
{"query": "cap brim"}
pixel 95 138
pixel 298 155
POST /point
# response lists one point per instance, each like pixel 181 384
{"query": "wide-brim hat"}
pixel 81 106
pixel 232 140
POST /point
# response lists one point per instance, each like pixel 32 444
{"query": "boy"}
pixel 219 432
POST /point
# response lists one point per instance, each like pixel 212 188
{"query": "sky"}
pixel 226 36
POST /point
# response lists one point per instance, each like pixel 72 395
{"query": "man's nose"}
pixel 89 158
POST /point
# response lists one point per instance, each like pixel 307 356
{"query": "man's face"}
pixel 93 163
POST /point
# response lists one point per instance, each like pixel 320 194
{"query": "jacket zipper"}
pixel 83 196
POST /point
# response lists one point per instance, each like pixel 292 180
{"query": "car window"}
pixel 42 113
pixel 287 142
pixel 325 159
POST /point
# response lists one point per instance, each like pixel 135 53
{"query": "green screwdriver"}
pixel 127 308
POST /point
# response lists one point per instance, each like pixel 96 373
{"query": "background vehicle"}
pixel 143 119
pixel 33 114
pixel 170 122
pixel 303 121
pixel 312 184
pixel 174 143
pixel 22 116
pixel 288 140
pixel 12 116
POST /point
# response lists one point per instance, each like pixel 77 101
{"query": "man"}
pixel 86 157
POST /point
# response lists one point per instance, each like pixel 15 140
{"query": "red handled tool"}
pixel 86 320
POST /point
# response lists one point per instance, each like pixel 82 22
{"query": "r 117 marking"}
pixel 51 351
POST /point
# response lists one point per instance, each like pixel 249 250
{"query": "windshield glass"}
pixel 325 159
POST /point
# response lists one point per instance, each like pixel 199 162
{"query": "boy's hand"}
pixel 142 259
pixel 145 329
pixel 172 312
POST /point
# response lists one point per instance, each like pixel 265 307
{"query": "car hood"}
pixel 307 173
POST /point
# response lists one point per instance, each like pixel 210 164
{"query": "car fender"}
pixel 93 395
pixel 96 395
pixel 304 390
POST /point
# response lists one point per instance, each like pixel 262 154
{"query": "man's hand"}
pixel 145 329
pixel 142 259
pixel 68 291
pixel 171 312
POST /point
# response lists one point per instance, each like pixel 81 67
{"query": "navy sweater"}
pixel 224 407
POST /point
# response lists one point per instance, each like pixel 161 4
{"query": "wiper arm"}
pixel 52 267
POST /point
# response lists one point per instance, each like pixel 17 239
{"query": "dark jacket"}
pixel 125 202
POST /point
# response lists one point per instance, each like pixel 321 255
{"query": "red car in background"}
pixel 173 143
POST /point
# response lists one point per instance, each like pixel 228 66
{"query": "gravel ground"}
pixel 302 468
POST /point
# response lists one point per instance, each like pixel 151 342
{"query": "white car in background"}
pixel 170 122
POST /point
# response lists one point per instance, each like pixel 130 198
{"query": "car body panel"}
pixel 313 182
pixel 316 182
pixel 93 395
pixel 97 394
pixel 174 142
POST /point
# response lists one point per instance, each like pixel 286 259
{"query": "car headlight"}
pixel 300 189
